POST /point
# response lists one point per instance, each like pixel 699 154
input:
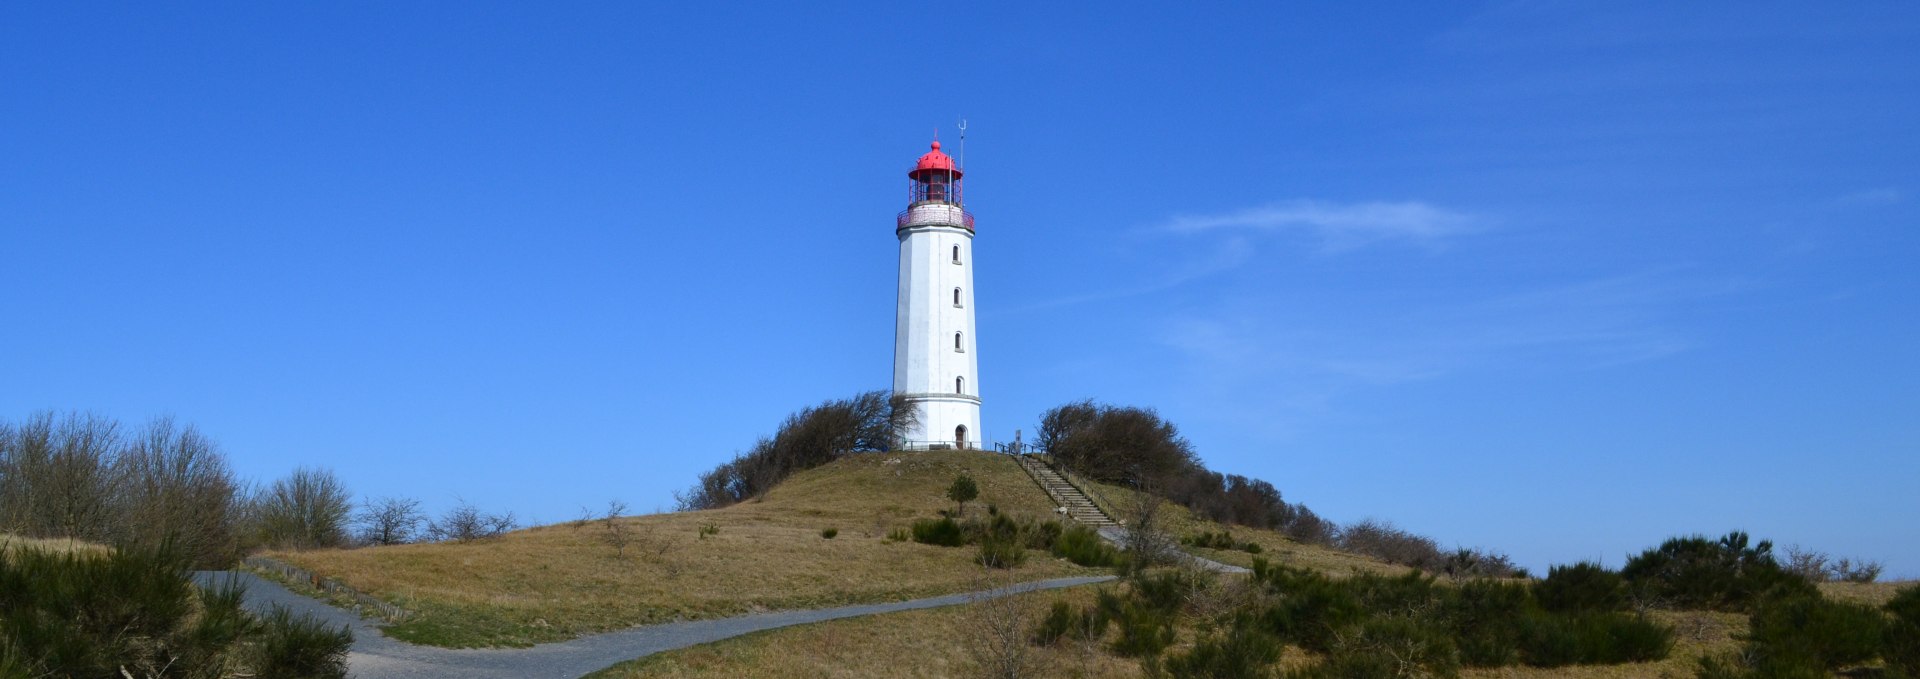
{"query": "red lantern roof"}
pixel 935 160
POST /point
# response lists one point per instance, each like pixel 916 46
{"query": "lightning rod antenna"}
pixel 963 142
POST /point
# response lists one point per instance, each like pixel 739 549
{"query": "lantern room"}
pixel 935 179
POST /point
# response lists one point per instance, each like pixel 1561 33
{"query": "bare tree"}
pixel 306 509
pixel 1145 540
pixel 57 477
pixel 178 488
pixel 996 630
pixel 390 520
pixel 618 534
pixel 466 523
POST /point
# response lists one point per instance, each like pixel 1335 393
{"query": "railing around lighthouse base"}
pixel 934 214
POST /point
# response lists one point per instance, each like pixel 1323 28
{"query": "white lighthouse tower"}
pixel 935 366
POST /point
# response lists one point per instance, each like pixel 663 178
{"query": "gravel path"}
pixel 375 656
pixel 1118 537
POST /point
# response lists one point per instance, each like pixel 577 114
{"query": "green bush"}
pixel 1251 548
pixel 963 491
pixel 1549 640
pixel 1042 535
pixel 1083 546
pixel 1795 631
pixel 1902 649
pixel 943 531
pixel 999 552
pixel 1144 630
pixel 1065 622
pixel 1211 540
pixel 1584 587
pixel 830 533
pixel 1695 572
pixel 1485 617
pixel 1905 604
pixel 1059 619
pixel 1406 642
pixel 899 535
pixel 1168 591
pixel 134 611
pixel 1312 610
pixel 1244 651
pixel 1414 591
pixel 301 647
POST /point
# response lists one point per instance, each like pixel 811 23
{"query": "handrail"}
pixel 1083 485
pixel 905 219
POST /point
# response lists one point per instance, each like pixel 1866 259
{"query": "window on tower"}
pixel 959 385
pixel 956 254
pixel 956 343
pixel 956 297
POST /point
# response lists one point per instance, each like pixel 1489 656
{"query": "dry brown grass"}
pixel 1870 593
pixel 931 643
pixel 924 644
pixel 559 581
pixel 10 543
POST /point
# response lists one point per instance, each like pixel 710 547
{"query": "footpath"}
pixel 375 656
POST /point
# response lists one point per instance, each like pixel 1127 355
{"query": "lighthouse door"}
pixel 960 437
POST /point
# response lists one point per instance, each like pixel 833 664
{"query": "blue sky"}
pixel 1555 279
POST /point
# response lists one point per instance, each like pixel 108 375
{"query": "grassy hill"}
pixel 559 581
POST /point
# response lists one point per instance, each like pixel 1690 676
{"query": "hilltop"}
pixel 559 581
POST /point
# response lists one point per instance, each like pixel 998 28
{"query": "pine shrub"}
pixel 1902 648
pixel 1415 649
pixel 1083 546
pixel 1585 587
pixel 301 647
pixel 1001 552
pixel 1243 652
pixel 1042 535
pixel 133 612
pixel 1059 620
pixel 1795 631
pixel 830 533
pixel 1144 630
pixel 1550 640
pixel 943 531
pixel 1485 616
pixel 1312 610
pixel 1696 572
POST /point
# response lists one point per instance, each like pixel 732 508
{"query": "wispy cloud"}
pixel 1579 326
pixel 1880 196
pixel 1339 226
pixel 1229 254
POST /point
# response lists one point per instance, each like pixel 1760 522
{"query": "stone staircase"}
pixel 1079 507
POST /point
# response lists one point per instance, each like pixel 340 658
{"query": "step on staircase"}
pixel 1079 507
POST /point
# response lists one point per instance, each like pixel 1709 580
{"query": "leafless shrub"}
pixel 466 523
pixel 1817 566
pixel 1382 540
pixel 1144 539
pixel 57 477
pixel 177 488
pixel 1467 562
pixel 995 631
pixel 390 520
pixel 617 534
pixel 307 509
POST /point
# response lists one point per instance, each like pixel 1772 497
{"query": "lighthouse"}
pixel 935 365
